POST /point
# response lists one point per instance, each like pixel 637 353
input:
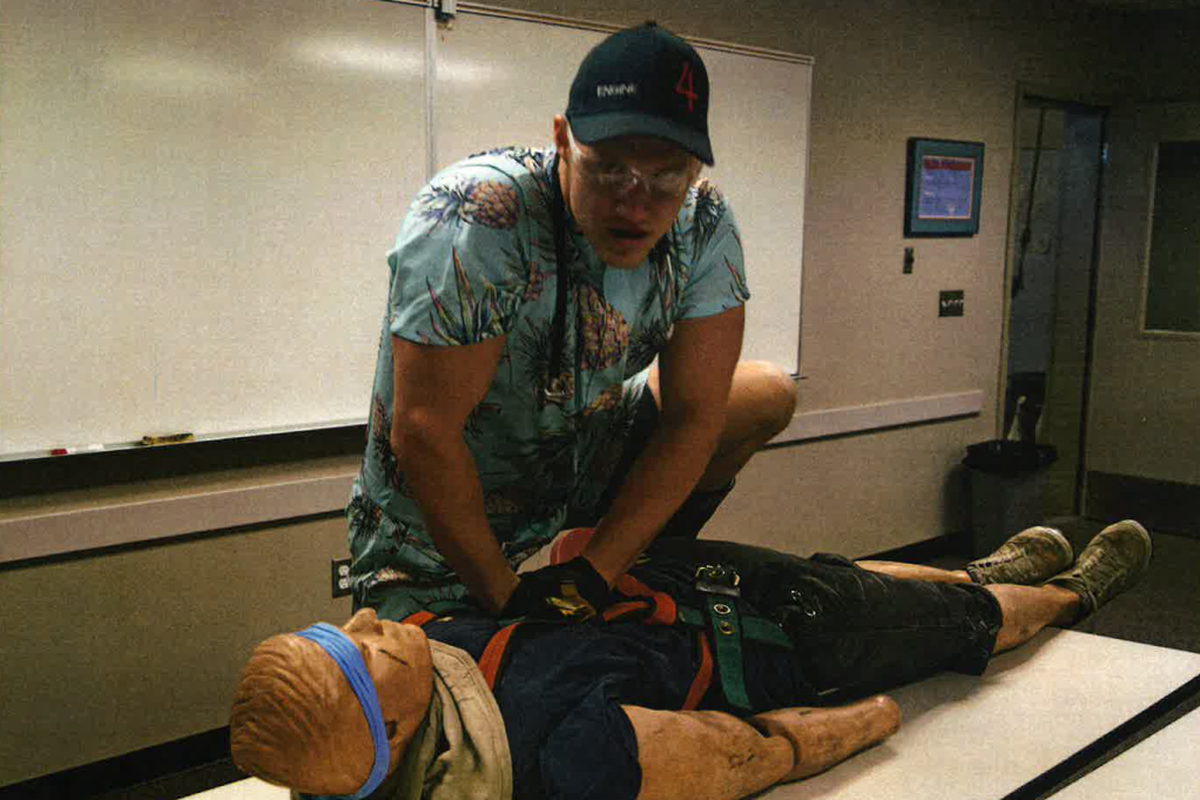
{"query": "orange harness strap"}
pixel 664 612
pixel 619 610
pixel 704 673
pixel 418 618
pixel 493 655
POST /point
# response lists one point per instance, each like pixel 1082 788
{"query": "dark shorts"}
pixel 857 632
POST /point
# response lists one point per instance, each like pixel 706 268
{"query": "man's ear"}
pixel 561 143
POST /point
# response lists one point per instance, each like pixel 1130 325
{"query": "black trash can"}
pixel 1006 486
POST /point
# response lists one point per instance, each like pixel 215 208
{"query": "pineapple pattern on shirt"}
pixel 475 259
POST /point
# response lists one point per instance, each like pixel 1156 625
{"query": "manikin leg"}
pixel 916 572
pixel 1026 609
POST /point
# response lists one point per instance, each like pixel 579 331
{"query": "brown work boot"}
pixel 1028 558
pixel 1111 563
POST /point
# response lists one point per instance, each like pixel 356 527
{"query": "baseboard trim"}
pixel 166 771
pixel 1162 506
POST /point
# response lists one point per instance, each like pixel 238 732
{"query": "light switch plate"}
pixel 951 303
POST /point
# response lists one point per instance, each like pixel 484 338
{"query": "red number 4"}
pixel 685 87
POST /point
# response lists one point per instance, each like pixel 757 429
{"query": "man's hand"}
pixel 572 592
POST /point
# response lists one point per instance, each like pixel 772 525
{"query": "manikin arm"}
pixel 710 755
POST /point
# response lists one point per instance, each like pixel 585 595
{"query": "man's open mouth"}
pixel 627 234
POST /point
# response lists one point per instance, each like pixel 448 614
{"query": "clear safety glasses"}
pixel 617 179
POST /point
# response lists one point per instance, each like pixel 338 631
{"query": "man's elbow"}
pixel 416 432
pixel 695 424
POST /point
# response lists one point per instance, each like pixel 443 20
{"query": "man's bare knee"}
pixel 769 390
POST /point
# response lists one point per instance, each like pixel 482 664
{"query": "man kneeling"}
pixel 721 670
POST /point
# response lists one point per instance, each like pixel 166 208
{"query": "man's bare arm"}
pixel 711 755
pixel 436 388
pixel 695 373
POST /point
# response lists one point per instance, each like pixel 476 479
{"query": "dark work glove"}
pixel 569 592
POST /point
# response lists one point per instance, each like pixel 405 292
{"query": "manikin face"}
pixel 397 656
pixel 624 193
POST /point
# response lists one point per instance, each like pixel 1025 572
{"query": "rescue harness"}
pixel 720 620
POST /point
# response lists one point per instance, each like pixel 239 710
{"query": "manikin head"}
pixel 297 721
pixel 632 139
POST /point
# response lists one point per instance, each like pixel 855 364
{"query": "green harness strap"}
pixel 755 629
pixel 719 585
pixel 727 644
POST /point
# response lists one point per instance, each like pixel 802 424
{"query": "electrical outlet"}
pixel 951 303
pixel 340 569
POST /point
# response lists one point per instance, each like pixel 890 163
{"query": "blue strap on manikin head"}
pixel 346 655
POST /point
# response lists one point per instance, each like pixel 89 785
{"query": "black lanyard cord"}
pixel 558 209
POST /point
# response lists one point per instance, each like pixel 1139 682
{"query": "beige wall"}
pixel 107 654
pixel 856 495
pixel 112 652
pixel 1164 55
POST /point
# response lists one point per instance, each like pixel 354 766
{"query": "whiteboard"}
pixel 197 198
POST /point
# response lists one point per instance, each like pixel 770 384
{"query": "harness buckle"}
pixel 718 579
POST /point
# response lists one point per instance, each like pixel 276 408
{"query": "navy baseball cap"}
pixel 642 81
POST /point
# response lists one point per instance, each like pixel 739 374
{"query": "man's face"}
pixel 398 658
pixel 624 193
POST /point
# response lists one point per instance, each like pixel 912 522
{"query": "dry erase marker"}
pixel 173 438
pixel 70 451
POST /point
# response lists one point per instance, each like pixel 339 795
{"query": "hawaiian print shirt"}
pixel 475 259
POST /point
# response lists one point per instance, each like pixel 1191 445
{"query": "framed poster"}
pixel 945 179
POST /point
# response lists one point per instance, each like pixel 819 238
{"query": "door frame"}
pixel 1067 99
